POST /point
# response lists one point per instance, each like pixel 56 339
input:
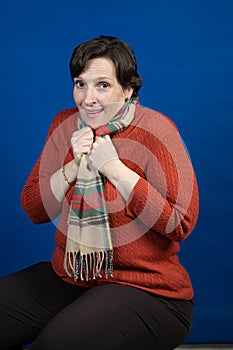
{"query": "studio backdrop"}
pixel 185 56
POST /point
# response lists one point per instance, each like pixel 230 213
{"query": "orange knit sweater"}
pixel 146 231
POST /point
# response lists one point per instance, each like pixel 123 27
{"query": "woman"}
pixel 118 176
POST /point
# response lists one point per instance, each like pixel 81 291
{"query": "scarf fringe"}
pixel 88 266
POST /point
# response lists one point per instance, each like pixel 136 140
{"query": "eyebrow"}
pixel 103 78
pixel 97 79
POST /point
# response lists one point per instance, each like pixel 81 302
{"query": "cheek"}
pixel 117 96
pixel 77 97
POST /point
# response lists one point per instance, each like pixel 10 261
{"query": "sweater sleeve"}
pixel 167 200
pixel 37 198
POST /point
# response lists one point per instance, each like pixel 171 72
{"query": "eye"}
pixel 104 85
pixel 79 84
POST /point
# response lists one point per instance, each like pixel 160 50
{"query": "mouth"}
pixel 93 113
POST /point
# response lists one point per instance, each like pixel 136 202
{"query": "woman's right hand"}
pixel 82 141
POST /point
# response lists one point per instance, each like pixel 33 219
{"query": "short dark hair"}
pixel 113 48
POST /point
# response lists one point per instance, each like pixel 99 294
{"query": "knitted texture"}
pixel 161 212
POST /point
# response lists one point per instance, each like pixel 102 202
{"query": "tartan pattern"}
pixel 88 203
pixel 88 244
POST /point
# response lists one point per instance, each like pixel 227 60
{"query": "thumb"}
pixel 107 137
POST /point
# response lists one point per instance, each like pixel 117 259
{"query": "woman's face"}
pixel 97 93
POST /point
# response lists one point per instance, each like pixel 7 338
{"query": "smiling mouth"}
pixel 93 113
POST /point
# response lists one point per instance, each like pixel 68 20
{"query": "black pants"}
pixel 37 306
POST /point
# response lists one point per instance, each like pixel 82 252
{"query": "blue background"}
pixel 185 56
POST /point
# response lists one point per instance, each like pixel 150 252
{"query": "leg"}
pixel 115 317
pixel 28 300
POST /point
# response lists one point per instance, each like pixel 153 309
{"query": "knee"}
pixel 51 338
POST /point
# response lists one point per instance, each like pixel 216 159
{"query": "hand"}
pixel 103 154
pixel 82 141
pixel 105 158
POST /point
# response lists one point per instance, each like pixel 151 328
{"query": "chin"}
pixel 98 121
pixel 94 125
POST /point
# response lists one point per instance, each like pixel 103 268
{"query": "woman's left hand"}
pixel 103 154
pixel 105 158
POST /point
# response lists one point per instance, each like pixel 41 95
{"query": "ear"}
pixel 128 93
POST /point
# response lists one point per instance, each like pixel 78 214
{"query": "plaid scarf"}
pixel 89 245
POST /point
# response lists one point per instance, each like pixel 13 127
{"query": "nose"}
pixel 90 97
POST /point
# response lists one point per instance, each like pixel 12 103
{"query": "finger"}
pixel 82 149
pixel 82 132
pixel 85 129
pixel 82 139
pixel 99 139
